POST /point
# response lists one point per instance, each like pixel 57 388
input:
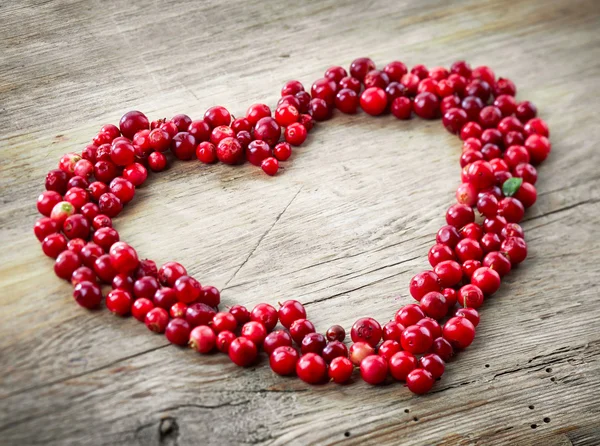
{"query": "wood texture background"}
pixel 342 229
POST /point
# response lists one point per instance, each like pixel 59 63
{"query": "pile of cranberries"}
pixel 482 241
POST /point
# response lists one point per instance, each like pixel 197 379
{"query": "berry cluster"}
pixel 481 242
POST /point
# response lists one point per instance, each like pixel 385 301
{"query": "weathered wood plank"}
pixel 342 229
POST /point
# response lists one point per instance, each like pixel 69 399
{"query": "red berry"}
pixel 87 294
pixel 241 314
pixel 290 311
pixel 202 339
pixel 366 330
pixel 376 78
pixel 44 227
pixel 333 350
pixel 83 274
pixel 216 116
pixel 401 364
pixel 270 166
pixel 257 151
pixel 61 211
pixel 110 204
pixel 319 110
pixel 66 263
pixel 286 115
pixel 282 151
pixel 132 122
pixel 426 105
pixel 346 101
pixel 433 364
pixel 401 108
pixel 470 313
pixel 224 322
pixel 434 305
pixel 255 331
pixel 146 286
pixel 449 273
pixel 486 279
pixel 198 314
pixel 419 381
pixel 340 370
pixel 170 272
pixel 178 309
pixel 157 319
pixel 295 134
pixel 416 339
pixel 360 67
pixel 359 351
pixel 119 302
pixel 389 348
pixel 275 339
pixel 183 146
pixel 229 151
pixel 266 314
pixel 470 295
pixel 283 360
pixel 311 368
pixel 54 244
pixel 157 161
pixel 178 331
pixel 392 331
pixel 104 269
pixel 423 283
pixel 141 308
pixel 409 315
pixel 373 101
pixel 268 130
pixel 459 331
pixel 123 258
pixel 243 352
pixel 224 340
pixel 187 289
pixel 442 348
pixel 374 369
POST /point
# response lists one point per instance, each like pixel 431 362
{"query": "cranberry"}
pixel 54 244
pixel 293 87
pixel 459 331
pixel 61 211
pixel 469 313
pixel 119 302
pixel 497 261
pixel 104 269
pixel 373 101
pixel 432 325
pixel 266 314
pixel 122 154
pixel 459 215
pixel 332 350
pixel 419 381
pixel 255 331
pixel 376 78
pixel 56 181
pixel 178 309
pixel 241 314
pixel 395 70
pixel 229 151
pixel 257 151
pixel 276 339
pixel 170 272
pixel 401 108
pixel 243 352
pixel 334 333
pixel 454 120
pixel 319 110
pixel 166 298
pixel 224 340
pixel 448 235
pixel 66 263
pixel 416 339
pixel 539 148
pixel 468 249
pixel 198 314
pixel 202 339
pixel 110 204
pixel 409 315
pixel 401 364
pixel 300 328
pixel 324 89
pixel 470 296
pixel 388 348
pixel 44 227
pixel 340 370
pixel 183 146
pixel 87 294
pixel 423 283
pixel 359 351
pixel 216 116
pixel 132 122
pixel 515 249
pixel 290 311
pixel 286 115
pixel 123 258
pixel 311 368
pixel 270 166
pixel 283 360
pixel 392 331
pixel 366 330
pixel 141 308
pixel 360 67
pixel 187 289
pixel 282 151
pixel 67 163
pixel 374 369
pixel 426 105
pixel 442 348
pixel 178 331
pixel 433 364
pixel 434 305
pixel 536 126
pixel 313 343
pixel 449 273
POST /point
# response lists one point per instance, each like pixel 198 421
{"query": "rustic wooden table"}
pixel 342 229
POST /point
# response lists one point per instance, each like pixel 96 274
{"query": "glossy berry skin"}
pixel 334 333
pixel 83 274
pixel 241 314
pixel 229 151
pixel 290 311
pixel 333 350
pixel 470 295
pixel 255 331
pixel 424 283
pixel 366 330
pixel 268 130
pixel 243 352
pixel 178 331
pixel 187 289
pixel 311 368
pixel 123 258
pixel 206 152
pixel 359 351
pixel 110 205
pixel 224 340
pixel 170 272
pixel 346 101
pixel 433 364
pixel 265 314
pixel 426 105
pixel 198 314
pixel 256 112
pixel 401 364
pixel 373 101
pixel 140 308
pixel 401 108
pixel 270 166
pixel 132 122
pixel 202 339
pixel 388 349
pixel 300 328
pixel 499 262
pixel 374 369
pixel 279 338
pixel 392 331
pixel 119 302
pixel 469 313
pixel 419 381
pixel 210 296
pixel 515 249
pixel 178 309
pixel 66 263
pixel 54 244
pixel 224 322
pixel 282 151
pixel 486 279
pixel 283 360
pixel 434 305
pixel 416 339
pixel 360 67
pixel 257 151
pixel 44 227
pixel 313 343
pixel 340 370
pixel 87 294
pixel 449 273
pixel 216 116
pixel 409 315
pixel 295 134
pixel 459 331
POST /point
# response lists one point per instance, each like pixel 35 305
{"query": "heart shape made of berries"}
pixel 502 141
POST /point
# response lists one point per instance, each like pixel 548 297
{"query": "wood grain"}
pixel 342 229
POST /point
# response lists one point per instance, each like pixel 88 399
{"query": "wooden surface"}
pixel 342 229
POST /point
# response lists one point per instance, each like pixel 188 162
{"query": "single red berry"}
pixel 187 289
pixel 300 328
pixel 257 151
pixel 224 321
pixel 470 296
pixel 376 78
pixel 56 181
pixel 468 249
pixel 66 263
pixel 140 308
pixel 170 272
pixel 54 244
pixel 224 340
pixel 401 107
pixel 395 70
pixel 255 331
pixel 266 314
pixel 434 305
pixel 286 115
pixel 311 368
pixel 433 364
pixel 448 235
pixel 360 67
pixel 459 215
pixel 104 269
pixel 346 101
pixel 87 294
pixel 486 279
pixel 202 339
pixel 216 116
pixel 426 105
pixel 178 309
pixel 409 315
pixel 497 261
pixel 282 151
pixel 366 330
pixel 270 166
pixel 229 151
pixel 241 314
pixel 470 313
pixel 319 110
pixel 419 381
pixel 243 352
pixel 423 283
pixel 206 152
pixel 295 134
pixel 61 211
pixel 401 364
pixel 290 311
pixel 359 351
pixel 459 331
pixel 157 161
pixel 334 333
pixel 439 253
pixel 283 360
pixel 119 302
pixel 515 248
pixel 132 122
pixel 110 204
pixel 442 348
pixel 44 227
pixel 389 348
pixel 275 339
pixel 146 287
pixel 374 369
pixel 340 370
pixel 268 130
pixel 333 350
pixel 183 146
pixel 416 339
pixel 373 101
pixel 454 120
pixel 198 314
pixel 123 258
pixel 392 331
pixel 293 87
pixel 178 331
pixel 449 273
pixel 83 274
